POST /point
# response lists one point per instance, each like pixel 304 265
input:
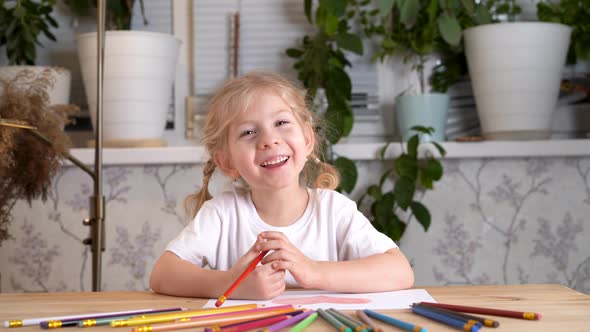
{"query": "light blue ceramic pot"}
pixel 427 110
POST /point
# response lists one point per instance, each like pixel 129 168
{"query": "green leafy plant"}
pixel 320 64
pixel 576 14
pixel 21 25
pixel 412 174
pixel 118 12
pixel 415 30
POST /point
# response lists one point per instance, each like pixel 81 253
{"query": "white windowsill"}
pixel 356 151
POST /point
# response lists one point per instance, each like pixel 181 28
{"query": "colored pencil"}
pixel 304 323
pixel 367 320
pixel 226 326
pixel 354 325
pixel 53 324
pixel 453 314
pixel 217 319
pixel 101 321
pixel 252 324
pixel 37 321
pixel 160 318
pixel 484 320
pixel 333 321
pixel 242 276
pixel 487 311
pixel 448 320
pixel 288 322
pixel 107 320
pixel 394 322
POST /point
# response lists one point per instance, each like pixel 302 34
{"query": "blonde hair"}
pixel 235 96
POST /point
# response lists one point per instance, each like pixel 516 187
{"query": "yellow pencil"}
pixel 224 319
pixel 152 319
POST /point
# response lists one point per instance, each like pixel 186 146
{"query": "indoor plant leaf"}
pixel 421 214
pixel 433 169
pixel 449 29
pixel 348 173
pixel 404 191
pixel 349 41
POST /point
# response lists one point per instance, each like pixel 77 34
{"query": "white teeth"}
pixel 274 161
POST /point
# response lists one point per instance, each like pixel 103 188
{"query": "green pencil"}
pixel 333 321
pixel 354 325
pixel 304 323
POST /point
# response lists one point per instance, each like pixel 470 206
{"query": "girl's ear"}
pixel 222 161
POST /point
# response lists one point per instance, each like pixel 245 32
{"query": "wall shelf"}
pixel 356 151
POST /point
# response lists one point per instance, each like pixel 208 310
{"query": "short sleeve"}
pixel 197 243
pixel 358 237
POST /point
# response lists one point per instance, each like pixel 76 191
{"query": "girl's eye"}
pixel 281 123
pixel 247 132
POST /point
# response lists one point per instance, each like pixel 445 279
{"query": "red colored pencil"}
pixel 242 276
pixel 486 311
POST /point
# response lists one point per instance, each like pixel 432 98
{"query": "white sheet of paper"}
pixel 340 301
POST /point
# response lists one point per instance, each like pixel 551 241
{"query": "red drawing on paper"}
pixel 321 299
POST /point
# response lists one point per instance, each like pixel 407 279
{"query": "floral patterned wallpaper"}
pixel 495 221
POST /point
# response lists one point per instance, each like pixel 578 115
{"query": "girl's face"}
pixel 267 146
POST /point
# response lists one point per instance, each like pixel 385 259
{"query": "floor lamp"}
pixel 97 202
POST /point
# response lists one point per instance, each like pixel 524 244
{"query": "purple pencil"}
pixel 287 322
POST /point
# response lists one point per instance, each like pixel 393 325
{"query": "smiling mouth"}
pixel 275 161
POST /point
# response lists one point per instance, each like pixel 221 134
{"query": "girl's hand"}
pixel 288 257
pixel 263 283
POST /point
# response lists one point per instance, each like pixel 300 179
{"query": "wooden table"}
pixel 563 309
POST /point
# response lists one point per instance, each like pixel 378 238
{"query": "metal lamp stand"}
pixel 97 201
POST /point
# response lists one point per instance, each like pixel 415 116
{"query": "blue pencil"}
pixel 467 319
pixel 395 322
pixel 442 318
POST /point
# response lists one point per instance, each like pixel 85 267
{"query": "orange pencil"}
pixel 242 276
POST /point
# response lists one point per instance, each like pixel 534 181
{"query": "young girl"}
pixel 260 131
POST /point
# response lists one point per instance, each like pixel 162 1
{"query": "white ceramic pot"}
pixel 59 92
pixel 139 70
pixel 516 69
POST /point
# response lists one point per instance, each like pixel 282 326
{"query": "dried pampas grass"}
pixel 27 163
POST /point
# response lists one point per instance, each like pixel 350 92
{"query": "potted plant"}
pixel 413 173
pixel 139 70
pixel 516 70
pixel 22 23
pixel 416 31
pixel 573 13
pixel 320 64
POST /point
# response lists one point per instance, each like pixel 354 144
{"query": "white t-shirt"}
pixel 330 229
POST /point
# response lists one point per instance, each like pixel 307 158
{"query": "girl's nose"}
pixel 267 140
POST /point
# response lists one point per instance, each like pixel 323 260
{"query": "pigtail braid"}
pixel 328 176
pixel 194 202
